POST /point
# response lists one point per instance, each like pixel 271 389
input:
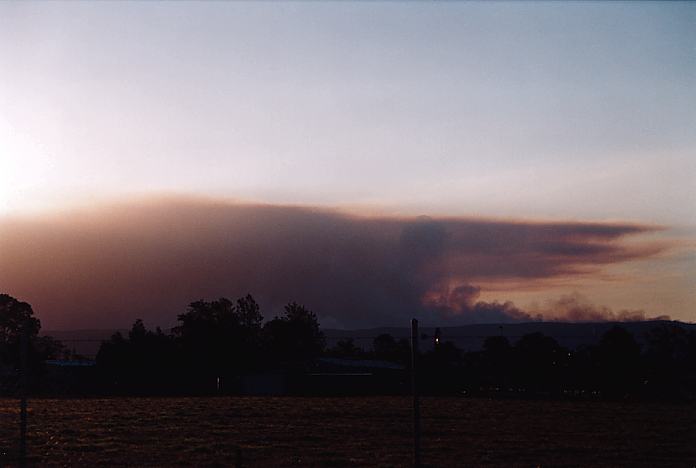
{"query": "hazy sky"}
pixel 538 111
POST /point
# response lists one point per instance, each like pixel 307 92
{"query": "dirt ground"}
pixel 371 431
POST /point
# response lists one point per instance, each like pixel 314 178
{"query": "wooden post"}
pixel 414 390
pixel 23 378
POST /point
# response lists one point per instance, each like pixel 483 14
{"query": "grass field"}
pixel 371 431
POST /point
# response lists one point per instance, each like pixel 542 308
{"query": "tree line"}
pixel 215 342
pixel 537 365
pixel 218 341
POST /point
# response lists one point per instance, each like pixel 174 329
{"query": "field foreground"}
pixel 370 431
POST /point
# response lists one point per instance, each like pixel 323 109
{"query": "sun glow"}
pixel 25 169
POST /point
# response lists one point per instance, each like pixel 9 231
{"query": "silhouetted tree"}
pixel 441 369
pixel 497 349
pixel 215 341
pixel 497 360
pixel 618 358
pixel 345 349
pixel 387 348
pixel 17 319
pixel 584 375
pixel 295 336
pixel 221 337
pixel 670 362
pixel 145 362
pixel 249 313
pixel 539 361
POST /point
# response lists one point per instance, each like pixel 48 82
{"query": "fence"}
pixel 47 440
pixel 360 431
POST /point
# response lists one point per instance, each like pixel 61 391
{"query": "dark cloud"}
pixel 461 302
pixel 105 267
pixel 576 308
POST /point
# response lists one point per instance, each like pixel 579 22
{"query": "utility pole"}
pixel 23 378
pixel 414 390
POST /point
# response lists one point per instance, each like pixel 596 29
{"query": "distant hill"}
pixel 465 337
pixel 471 337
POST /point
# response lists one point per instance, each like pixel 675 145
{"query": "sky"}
pixel 565 132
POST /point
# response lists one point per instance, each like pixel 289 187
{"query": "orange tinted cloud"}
pixel 104 267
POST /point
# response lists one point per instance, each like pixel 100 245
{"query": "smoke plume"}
pixel 104 267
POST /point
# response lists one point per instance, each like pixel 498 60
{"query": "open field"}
pixel 370 431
